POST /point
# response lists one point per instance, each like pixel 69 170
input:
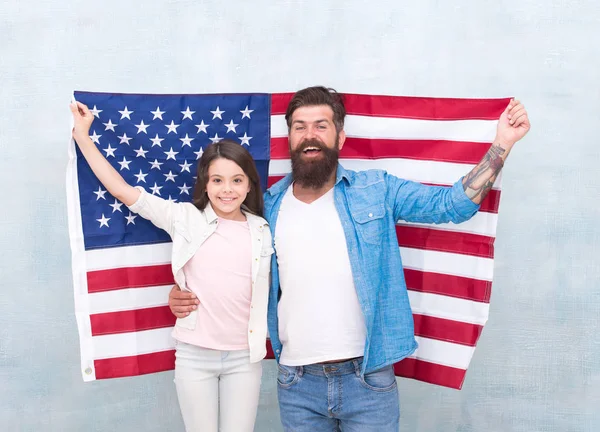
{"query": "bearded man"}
pixel 339 315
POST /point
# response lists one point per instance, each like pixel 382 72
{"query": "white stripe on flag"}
pixel 451 308
pixel 483 223
pixel 134 343
pixel 128 256
pixel 128 299
pixel 448 263
pixel 444 353
pixel 402 128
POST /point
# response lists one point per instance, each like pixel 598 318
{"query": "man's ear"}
pixel 342 139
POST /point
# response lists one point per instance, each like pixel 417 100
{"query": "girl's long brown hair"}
pixel 234 152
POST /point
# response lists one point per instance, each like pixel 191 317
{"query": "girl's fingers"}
pixel 83 109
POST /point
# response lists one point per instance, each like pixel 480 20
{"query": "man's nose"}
pixel 310 132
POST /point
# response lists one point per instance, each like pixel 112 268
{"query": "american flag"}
pixel 121 262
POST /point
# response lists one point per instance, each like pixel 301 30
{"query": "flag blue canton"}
pixel 155 141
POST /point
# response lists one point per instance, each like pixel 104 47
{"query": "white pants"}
pixel 217 390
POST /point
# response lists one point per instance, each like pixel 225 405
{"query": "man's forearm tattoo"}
pixel 480 180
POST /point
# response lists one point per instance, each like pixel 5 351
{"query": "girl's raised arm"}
pixel 108 176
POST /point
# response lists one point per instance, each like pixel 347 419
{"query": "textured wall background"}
pixel 537 367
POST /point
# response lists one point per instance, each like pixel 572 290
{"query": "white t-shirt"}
pixel 320 318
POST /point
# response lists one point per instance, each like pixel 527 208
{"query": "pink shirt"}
pixel 220 274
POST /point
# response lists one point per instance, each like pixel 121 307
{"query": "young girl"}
pixel 221 252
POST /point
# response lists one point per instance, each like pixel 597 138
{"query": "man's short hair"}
pixel 318 95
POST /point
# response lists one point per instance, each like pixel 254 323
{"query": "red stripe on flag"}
pixel 142 364
pixel 449 285
pixel 131 320
pixel 129 277
pixel 491 202
pixel 376 148
pixel 447 330
pixel 273 179
pixel 431 372
pixel 445 241
pixel 410 107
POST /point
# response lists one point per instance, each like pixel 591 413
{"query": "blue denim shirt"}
pixel 369 204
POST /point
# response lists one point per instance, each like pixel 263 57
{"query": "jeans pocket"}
pixel 287 376
pixel 381 380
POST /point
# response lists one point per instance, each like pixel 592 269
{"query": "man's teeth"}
pixel 311 149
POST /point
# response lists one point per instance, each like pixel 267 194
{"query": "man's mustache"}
pixel 310 143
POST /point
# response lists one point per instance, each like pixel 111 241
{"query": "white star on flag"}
pixel 217 113
pixel 95 137
pixel 157 114
pixel 116 206
pixel 171 199
pixel 110 151
pixel 245 139
pixel 96 112
pixel 141 177
pixel 246 112
pixel 125 113
pixel 156 164
pixel 184 189
pixel 109 126
pixel 156 189
pixel 124 139
pixel 140 152
pixel 186 141
pixel 202 127
pixel 231 126
pixel 215 139
pixel 142 127
pixel 103 221
pixel 130 218
pixel 199 153
pixel 100 193
pixel 172 127
pixel 185 166
pixel 124 164
pixel 157 141
pixel 187 113
pixel 170 176
pixel 171 154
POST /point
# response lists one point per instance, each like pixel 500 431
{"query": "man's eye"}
pixel 322 127
pixel 299 128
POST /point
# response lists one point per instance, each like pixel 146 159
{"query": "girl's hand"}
pixel 82 119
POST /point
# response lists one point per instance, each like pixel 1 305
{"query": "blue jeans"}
pixel 335 397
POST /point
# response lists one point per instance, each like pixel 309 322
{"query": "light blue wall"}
pixel 537 366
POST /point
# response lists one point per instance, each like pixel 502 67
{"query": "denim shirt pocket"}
pixel 370 223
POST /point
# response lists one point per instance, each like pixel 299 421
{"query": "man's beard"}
pixel 314 172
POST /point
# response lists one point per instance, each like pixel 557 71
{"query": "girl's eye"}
pixel 238 180
pixel 216 180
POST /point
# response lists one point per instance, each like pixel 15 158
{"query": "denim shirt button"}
pixel 370 214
